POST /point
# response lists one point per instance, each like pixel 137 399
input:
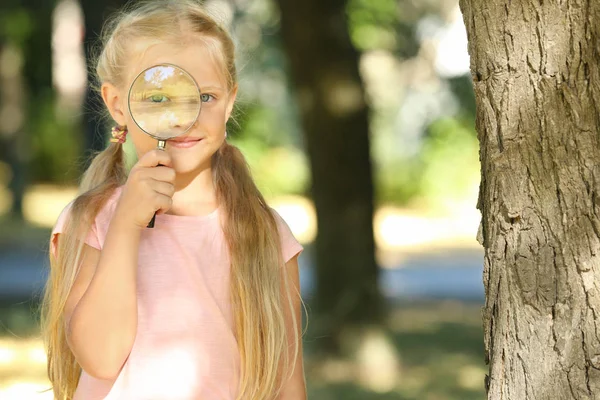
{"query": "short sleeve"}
pixel 92 235
pixel 289 244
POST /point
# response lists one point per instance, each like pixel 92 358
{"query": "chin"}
pixel 184 168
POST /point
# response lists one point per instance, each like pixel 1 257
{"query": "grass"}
pixel 440 348
pixel 438 345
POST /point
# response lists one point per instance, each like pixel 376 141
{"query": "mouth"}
pixel 184 143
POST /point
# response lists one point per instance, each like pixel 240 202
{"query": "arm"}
pixel 295 387
pixel 101 317
pixel 101 310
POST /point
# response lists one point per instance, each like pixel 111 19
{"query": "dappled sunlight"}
pixel 69 73
pixel 300 215
pixel 23 369
pixel 375 364
pixel 417 319
pixel 342 97
pixel 395 229
pixel 379 362
pixel 425 351
pixel 26 391
pixel 331 371
pixel 7 355
pixel 471 376
pixel 402 229
pixel 16 352
pixel 43 203
pixel 435 352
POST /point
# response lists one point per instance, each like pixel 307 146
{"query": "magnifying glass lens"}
pixel 164 101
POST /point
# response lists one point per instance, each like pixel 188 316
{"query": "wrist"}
pixel 124 221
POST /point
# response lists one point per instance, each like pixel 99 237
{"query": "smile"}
pixel 184 144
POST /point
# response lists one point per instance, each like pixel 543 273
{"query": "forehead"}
pixel 196 59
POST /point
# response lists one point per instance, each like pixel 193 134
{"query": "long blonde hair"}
pixel 260 291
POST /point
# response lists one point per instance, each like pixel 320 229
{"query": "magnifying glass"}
pixel 164 102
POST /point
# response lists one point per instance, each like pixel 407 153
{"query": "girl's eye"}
pixel 158 98
pixel 206 97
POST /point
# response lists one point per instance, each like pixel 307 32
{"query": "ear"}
pixel 114 102
pixel 230 102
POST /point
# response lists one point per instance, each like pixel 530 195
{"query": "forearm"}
pixel 104 322
pixel 295 388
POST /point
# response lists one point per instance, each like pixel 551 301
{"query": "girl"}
pixel 206 305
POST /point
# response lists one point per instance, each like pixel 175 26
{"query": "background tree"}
pixel 95 131
pixel 323 66
pixel 535 68
pixel 25 32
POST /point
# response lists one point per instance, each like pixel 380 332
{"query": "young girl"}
pixel 205 305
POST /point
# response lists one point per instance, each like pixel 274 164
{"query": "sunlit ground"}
pixel 22 369
pixel 427 351
pixel 437 355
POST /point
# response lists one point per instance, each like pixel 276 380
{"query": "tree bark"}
pixel 324 69
pixel 536 73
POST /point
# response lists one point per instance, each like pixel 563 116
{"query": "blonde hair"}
pixel 258 278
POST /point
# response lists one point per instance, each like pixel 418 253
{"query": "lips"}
pixel 186 139
pixel 184 142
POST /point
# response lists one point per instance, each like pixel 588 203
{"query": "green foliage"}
pixel 385 25
pixel 372 23
pixel 16 25
pixel 55 143
pixel 444 170
pixel 398 181
pixel 277 167
pixel 451 160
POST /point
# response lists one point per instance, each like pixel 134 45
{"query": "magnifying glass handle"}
pixel 161 146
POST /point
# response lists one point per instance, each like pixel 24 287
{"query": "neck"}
pixel 195 193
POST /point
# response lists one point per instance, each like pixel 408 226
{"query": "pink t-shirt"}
pixel 185 347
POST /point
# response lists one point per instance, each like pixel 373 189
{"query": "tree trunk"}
pixel 324 69
pixel 536 74
pixel 14 111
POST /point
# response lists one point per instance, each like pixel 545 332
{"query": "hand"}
pixel 149 188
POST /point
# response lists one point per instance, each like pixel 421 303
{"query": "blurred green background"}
pixel 424 149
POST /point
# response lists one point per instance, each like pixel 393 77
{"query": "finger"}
pixel 155 157
pixel 161 173
pixel 164 188
pixel 162 203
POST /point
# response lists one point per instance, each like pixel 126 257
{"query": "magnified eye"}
pixel 157 98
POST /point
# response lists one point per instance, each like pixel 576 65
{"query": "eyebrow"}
pixel 209 87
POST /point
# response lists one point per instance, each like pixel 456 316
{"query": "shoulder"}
pixel 290 246
pixel 106 210
pixel 98 226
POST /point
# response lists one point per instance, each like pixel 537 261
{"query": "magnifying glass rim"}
pixel 167 65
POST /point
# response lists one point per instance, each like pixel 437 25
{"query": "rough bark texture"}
pixel 324 69
pixel 535 67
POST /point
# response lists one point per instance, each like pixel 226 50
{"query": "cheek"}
pixel 142 142
pixel 214 118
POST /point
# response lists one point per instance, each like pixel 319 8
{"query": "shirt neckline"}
pixel 174 218
pixel 185 218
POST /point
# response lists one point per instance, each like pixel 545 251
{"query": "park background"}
pixel 414 66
